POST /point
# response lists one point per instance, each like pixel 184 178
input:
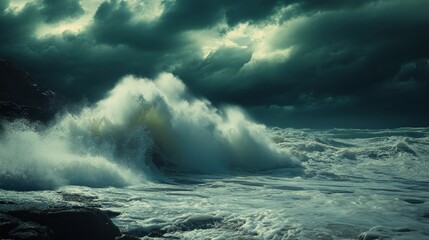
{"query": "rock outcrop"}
pixel 74 217
pixel 65 223
pixel 20 97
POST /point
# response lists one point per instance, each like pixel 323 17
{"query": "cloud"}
pixel 16 28
pixel 252 10
pixel 360 59
pixel 114 24
pixel 55 10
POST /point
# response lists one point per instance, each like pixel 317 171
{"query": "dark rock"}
pixel 31 231
pixel 111 214
pixel 127 237
pixel 14 228
pixel 7 223
pixel 59 223
pixel 20 97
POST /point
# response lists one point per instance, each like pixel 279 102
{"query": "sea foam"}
pixel 122 139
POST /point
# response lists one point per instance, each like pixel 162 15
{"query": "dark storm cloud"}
pixel 348 51
pixel 217 71
pixel 343 63
pixel 77 67
pixel 55 10
pixel 15 29
pixel 331 4
pixel 114 23
pixel 252 10
pixel 350 62
pixel 73 64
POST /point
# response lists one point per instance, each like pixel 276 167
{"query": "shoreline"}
pixel 40 221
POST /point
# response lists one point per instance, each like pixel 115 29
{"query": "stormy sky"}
pixel 290 63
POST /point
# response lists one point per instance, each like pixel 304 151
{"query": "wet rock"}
pixel 7 223
pixel 58 223
pixel 14 228
pixel 127 237
pixel 110 213
pixel 20 97
pixel 31 230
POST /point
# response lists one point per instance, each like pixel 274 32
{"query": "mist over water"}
pixel 139 126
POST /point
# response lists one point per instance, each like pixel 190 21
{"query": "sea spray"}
pixel 115 141
pixel 43 159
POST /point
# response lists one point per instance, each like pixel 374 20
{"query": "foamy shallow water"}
pixel 258 183
pixel 350 182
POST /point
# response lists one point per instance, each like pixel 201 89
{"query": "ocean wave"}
pixel 142 125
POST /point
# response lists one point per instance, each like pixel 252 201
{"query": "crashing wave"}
pixel 140 126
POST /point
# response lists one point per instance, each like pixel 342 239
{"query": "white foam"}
pixel 100 145
pixel 190 132
pixel 33 159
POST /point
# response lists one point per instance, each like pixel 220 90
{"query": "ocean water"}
pixel 177 167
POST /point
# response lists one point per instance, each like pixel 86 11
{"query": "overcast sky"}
pixel 291 63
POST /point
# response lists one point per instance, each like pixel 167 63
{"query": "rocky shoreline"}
pixel 42 222
pixel 21 97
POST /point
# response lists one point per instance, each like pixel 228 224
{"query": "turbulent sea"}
pixel 177 167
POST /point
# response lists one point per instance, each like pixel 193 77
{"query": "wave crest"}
pixel 120 140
